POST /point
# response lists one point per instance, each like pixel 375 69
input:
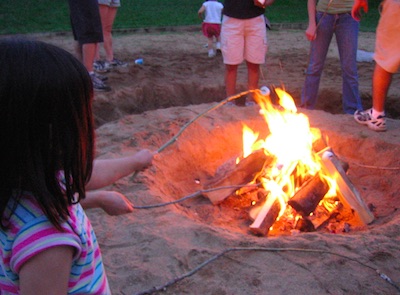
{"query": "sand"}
pixel 150 103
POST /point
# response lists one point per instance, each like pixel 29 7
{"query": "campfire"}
pixel 291 178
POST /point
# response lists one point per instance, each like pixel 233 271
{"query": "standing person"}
pixel 387 62
pixel 87 31
pixel 48 245
pixel 243 37
pixel 325 19
pixel 108 11
pixel 211 26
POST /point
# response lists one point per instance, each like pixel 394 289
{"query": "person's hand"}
pixel 114 203
pixel 263 3
pixel 111 202
pixel 357 7
pixel 144 159
pixel 259 3
pixel 311 32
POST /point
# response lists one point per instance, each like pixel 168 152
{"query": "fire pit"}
pixel 284 182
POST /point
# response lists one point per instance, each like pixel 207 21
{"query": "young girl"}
pixel 211 13
pixel 48 245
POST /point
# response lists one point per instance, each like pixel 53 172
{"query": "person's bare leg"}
pixel 112 202
pixel 107 15
pixel 210 43
pixel 88 54
pixel 218 45
pixel 97 55
pixel 78 51
pixel 230 79
pixel 381 81
pixel 253 76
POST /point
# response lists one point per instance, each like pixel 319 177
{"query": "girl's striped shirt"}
pixel 30 232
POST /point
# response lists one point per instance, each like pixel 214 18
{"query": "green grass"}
pixel 24 16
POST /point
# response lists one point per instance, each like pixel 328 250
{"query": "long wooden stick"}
pixel 221 103
pixel 230 98
pixel 348 194
pixel 196 194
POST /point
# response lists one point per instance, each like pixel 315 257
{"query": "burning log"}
pixel 270 210
pixel 348 194
pixel 233 176
pixel 305 201
pixel 307 198
pixel 321 215
pixel 266 217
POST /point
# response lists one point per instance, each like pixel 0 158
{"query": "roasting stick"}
pixel 228 99
pixel 175 138
pixel 195 194
pixel 264 91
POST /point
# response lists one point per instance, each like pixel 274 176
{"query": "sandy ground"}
pixel 150 103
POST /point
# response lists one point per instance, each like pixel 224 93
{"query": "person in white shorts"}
pixel 243 37
pixel 387 62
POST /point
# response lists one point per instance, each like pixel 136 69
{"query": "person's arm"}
pixel 47 273
pixel 357 7
pixel 113 203
pixel 107 171
pixel 201 11
pixel 311 31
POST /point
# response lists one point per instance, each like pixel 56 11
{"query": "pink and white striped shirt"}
pixel 30 232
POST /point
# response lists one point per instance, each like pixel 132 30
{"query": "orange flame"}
pixel 290 140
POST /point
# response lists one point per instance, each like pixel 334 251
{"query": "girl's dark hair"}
pixel 46 126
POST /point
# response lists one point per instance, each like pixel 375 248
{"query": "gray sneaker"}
pixel 99 85
pixel 101 77
pixel 365 118
pixel 101 66
pixel 115 63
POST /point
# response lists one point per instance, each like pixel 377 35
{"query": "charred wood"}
pixel 230 177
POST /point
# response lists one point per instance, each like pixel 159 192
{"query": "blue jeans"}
pixel 345 29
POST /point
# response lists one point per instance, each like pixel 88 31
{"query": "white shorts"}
pixel 111 3
pixel 387 46
pixel 243 39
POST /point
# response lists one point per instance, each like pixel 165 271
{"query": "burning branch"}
pixel 266 217
pixel 272 207
pixel 348 194
pixel 240 174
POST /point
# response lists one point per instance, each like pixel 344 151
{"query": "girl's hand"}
pixel 144 159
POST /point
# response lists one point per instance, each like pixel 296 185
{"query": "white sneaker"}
pixel 366 118
pixel 211 53
pixel 218 46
